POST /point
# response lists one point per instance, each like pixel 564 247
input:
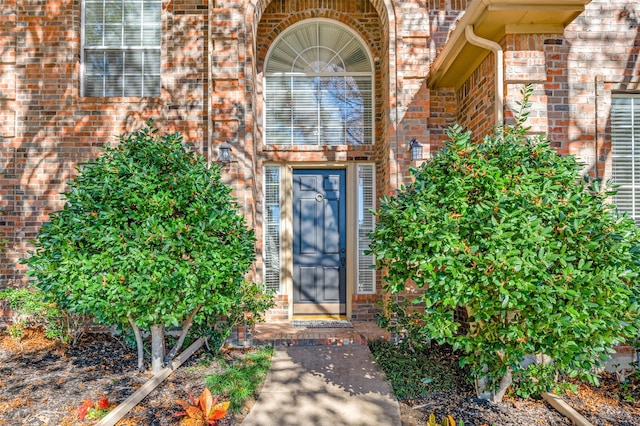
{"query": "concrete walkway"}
pixel 324 385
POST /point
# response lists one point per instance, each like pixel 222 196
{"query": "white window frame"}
pixel 272 231
pixel 124 50
pixel 625 152
pixel 292 75
pixel 366 183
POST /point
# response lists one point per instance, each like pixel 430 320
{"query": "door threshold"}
pixel 319 317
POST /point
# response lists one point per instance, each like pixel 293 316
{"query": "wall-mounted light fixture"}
pixel 416 150
pixel 224 152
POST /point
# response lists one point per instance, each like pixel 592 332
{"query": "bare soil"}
pixel 43 382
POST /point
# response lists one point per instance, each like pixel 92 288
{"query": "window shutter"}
pixel 366 281
pixel 625 153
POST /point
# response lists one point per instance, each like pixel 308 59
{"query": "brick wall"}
pixel 476 100
pixel 443 16
pixel 365 307
pixel 600 50
pixel 47 129
pixel 574 75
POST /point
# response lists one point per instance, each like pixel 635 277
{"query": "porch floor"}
pixel 281 334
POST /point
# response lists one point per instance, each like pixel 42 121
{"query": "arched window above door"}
pixel 318 87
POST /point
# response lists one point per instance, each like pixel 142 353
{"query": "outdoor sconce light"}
pixel 416 150
pixel 224 152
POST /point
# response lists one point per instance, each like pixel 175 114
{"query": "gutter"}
pixel 450 51
pixel 491 45
pixel 464 49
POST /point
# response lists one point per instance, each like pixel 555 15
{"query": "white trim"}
pixel 265 235
pixel 365 201
pixel 82 38
pixel 620 151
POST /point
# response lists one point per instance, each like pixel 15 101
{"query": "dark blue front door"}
pixel 319 243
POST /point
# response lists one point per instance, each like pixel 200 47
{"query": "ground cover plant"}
pixel 512 254
pixel 29 310
pixel 415 373
pixel 242 379
pixel 149 238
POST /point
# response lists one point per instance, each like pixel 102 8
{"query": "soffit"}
pixel 492 19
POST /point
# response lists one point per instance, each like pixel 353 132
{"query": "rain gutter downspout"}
pixel 491 45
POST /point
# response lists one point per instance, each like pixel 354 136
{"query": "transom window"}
pixel 318 87
pixel 625 153
pixel 121 47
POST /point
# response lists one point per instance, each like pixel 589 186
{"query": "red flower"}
pixel 82 411
pixel 103 403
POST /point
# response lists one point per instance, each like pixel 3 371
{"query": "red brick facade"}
pixel 213 55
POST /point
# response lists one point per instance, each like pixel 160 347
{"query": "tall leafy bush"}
pixel 149 236
pixel 508 231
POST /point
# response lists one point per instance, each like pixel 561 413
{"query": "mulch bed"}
pixel 43 382
pixel 602 406
pixel 513 412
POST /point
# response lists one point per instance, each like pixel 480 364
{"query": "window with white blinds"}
pixel 318 87
pixel 366 281
pixel 121 48
pixel 625 153
pixel 271 226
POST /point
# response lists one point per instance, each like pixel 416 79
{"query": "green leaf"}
pixel 149 231
pixel 508 232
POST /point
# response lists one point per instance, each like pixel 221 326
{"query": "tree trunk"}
pixel 139 344
pixel 186 326
pixel 494 396
pixel 157 347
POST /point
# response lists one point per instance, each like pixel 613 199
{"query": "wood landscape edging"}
pixel 565 409
pixel 128 404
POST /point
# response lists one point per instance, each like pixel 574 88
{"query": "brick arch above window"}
pixel 367 25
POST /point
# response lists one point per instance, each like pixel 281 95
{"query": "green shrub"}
pixel 150 237
pixel 30 310
pixel 507 230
